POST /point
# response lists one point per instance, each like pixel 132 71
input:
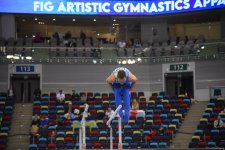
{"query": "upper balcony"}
pixel 95 52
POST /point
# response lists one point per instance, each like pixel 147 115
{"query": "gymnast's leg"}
pixel 126 98
pixel 118 99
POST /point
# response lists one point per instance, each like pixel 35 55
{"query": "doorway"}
pixel 179 83
pixel 24 85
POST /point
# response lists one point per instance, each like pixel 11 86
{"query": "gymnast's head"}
pixel 121 76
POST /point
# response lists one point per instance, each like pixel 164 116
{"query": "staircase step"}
pixel 16 146
pixel 20 127
pixel 188 126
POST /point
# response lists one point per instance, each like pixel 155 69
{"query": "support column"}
pixel 222 22
pixel 7 26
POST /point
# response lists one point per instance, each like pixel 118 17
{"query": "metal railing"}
pixel 96 55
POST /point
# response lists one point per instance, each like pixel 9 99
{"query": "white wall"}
pixel 202 94
pixel 92 77
pixel 3 78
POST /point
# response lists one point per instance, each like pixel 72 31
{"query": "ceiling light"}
pixel 29 57
pixel 129 61
pixel 53 19
pixel 94 61
pixel 124 62
pixel 35 18
pixel 133 61
pixel 94 20
pixel 139 59
pixel 114 20
pixel 98 34
pixel 74 19
pixel 16 57
pixel 9 56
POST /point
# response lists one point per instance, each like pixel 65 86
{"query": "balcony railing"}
pixel 111 54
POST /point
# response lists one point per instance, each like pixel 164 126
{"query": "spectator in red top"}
pixel 37 38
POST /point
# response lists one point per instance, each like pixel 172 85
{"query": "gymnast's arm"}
pixel 110 80
pixel 133 79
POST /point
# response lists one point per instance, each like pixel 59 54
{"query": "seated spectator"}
pixel 223 111
pixel 137 43
pixel 161 130
pixel 89 117
pixel 108 113
pixel 83 99
pixel 44 121
pixel 76 113
pixel 37 38
pixel 68 105
pixel 69 116
pixel 44 126
pixel 121 44
pixel 75 95
pixel 52 136
pixel 209 126
pixel 34 130
pixel 59 121
pixel 35 119
pixel 218 123
pixel 135 104
pixel 130 43
pixel 60 96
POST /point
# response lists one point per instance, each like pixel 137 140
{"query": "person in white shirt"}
pixel 109 112
pixel 60 96
pixel 218 123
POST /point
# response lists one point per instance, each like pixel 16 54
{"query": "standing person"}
pixel 122 81
pixel 68 39
pixel 83 37
pixel 37 92
pixel 56 37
